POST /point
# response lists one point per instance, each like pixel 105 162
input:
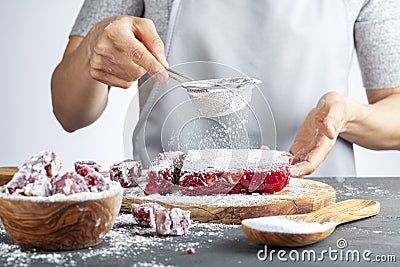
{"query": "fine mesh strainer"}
pixel 217 97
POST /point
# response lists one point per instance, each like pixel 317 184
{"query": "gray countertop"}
pixel 376 240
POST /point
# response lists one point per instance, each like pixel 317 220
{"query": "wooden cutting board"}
pixel 299 196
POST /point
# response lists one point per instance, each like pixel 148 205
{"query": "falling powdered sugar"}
pixel 284 225
pixel 219 97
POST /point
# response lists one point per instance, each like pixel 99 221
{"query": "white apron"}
pixel 299 49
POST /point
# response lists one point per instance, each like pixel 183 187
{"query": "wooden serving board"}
pixel 299 196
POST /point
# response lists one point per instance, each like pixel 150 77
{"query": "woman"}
pixel 301 50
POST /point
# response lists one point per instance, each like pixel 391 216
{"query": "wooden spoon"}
pixel 333 215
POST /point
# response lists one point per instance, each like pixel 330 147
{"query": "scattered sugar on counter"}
pixel 126 238
pixel 284 225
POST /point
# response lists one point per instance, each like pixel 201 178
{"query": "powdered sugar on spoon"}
pixel 304 229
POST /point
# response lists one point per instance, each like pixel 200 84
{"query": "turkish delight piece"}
pixel 144 214
pixel 29 184
pixel 69 183
pixel 41 176
pixel 84 167
pixel 45 163
pixel 221 171
pixel 164 172
pixel 126 172
pixel 172 222
pixel 96 182
pixel 90 171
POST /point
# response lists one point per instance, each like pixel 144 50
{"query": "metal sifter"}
pixel 217 97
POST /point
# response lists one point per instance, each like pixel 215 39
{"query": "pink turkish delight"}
pixel 144 214
pixel 172 222
pixel 165 221
pixel 164 172
pixel 29 184
pixel 126 172
pixel 69 183
pixel 221 171
pixel 86 166
pixel 90 171
pixel 96 182
pixel 45 163
pixel 41 176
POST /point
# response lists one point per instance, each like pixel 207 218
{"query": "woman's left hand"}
pixel 318 134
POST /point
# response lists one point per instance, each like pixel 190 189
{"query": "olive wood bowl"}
pixel 60 222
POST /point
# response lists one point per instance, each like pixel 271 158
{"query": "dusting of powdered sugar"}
pixel 125 244
pixel 233 160
pixel 115 187
pixel 278 224
pixel 295 189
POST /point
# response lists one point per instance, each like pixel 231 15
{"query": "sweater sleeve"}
pixel 377 42
pixel 93 11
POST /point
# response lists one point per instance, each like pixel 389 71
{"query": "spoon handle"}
pixel 345 211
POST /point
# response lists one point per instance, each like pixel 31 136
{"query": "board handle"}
pixel 344 211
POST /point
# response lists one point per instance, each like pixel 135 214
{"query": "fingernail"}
pixel 162 77
pixel 163 60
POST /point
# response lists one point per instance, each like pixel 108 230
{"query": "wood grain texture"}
pixel 6 173
pixel 316 195
pixel 342 212
pixel 59 225
pixel 338 213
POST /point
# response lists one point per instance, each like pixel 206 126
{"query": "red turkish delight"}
pixel 126 172
pixel 172 222
pixel 69 183
pixel 164 172
pixel 45 163
pixel 221 171
pixel 144 214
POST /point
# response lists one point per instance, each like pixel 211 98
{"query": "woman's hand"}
pixel 318 134
pixel 124 48
pixel 115 52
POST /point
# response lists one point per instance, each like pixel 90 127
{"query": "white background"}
pixel 33 38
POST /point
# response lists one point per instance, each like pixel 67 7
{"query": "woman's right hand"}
pixel 123 49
